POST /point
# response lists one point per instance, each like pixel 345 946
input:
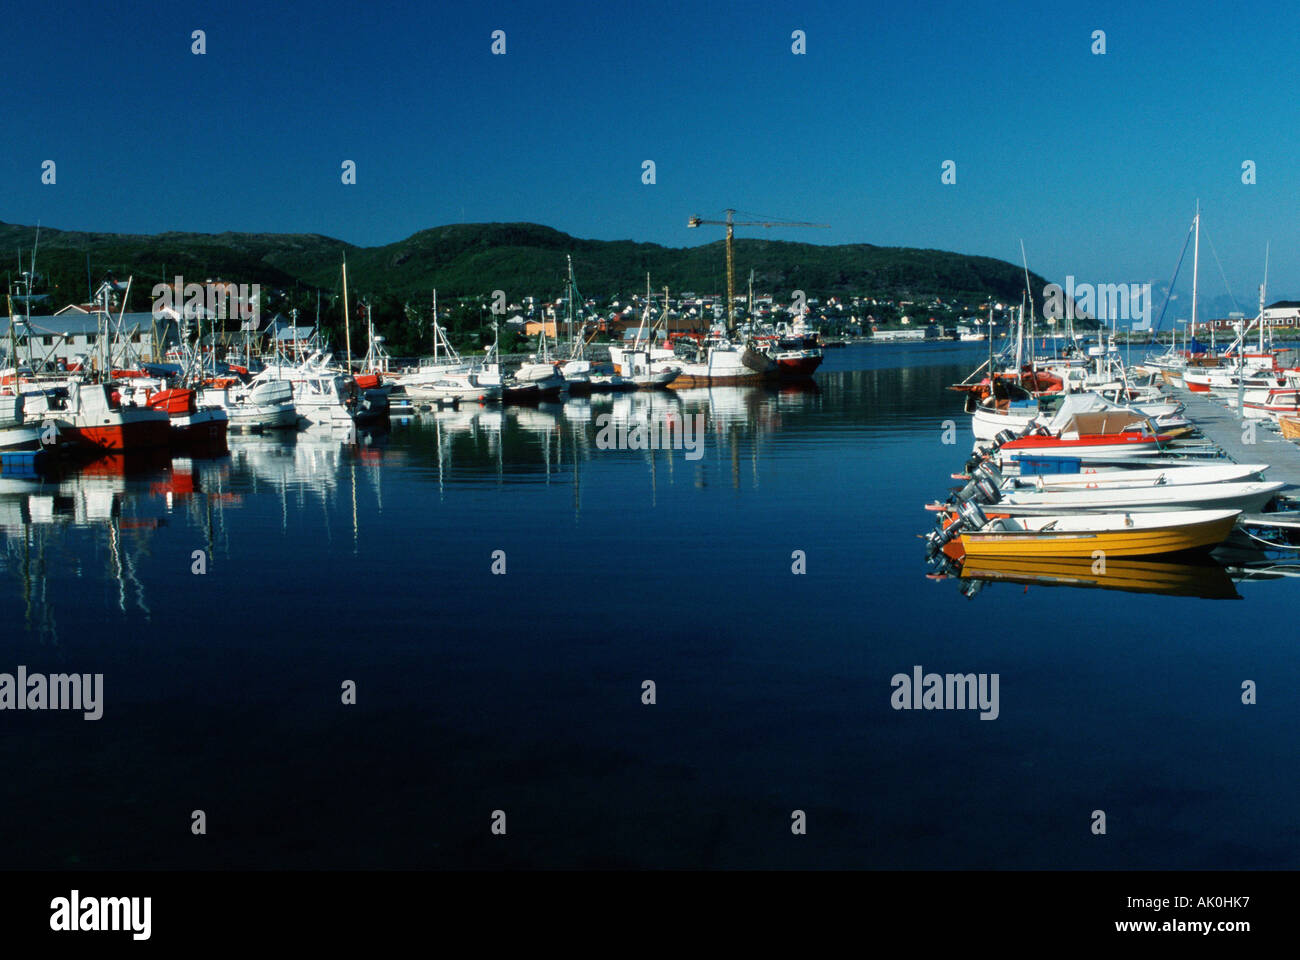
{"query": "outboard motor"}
pixel 1004 436
pixel 973 515
pixel 987 490
pixel 936 540
pixel 992 473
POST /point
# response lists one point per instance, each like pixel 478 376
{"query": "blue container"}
pixel 1034 466
pixel 22 463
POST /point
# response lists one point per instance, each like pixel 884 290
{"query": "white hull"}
pixel 987 424
pixel 18 437
pixel 1172 477
pixel 1210 496
pixel 250 418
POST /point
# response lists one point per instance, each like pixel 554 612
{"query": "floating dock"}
pixel 1222 427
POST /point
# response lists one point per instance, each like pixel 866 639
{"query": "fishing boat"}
pixel 797 364
pixel 321 394
pixel 576 370
pixel 717 361
pixel 94 417
pixel 643 364
pixel 256 407
pixel 1114 534
pixel 190 423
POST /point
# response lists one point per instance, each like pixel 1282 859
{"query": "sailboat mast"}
pixel 569 300
pixel 347 325
pixel 1262 288
pixel 1196 264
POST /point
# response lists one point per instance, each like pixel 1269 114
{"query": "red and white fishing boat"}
pixel 795 360
pixel 95 417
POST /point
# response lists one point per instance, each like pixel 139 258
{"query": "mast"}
pixel 1020 337
pixel 347 324
pixel 1196 263
pixel 731 276
pixel 13 341
pixel 1262 287
pixel 569 304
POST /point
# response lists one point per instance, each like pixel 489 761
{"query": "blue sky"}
pixel 1095 161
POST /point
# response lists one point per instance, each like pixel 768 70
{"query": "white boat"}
pixel 252 408
pixel 15 432
pixel 454 388
pixel 604 379
pixel 1113 498
pixel 1176 476
pixel 718 360
pixel 445 359
pixel 322 395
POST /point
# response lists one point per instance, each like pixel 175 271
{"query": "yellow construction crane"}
pixel 731 223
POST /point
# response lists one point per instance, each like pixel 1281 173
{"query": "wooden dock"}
pixel 1222 427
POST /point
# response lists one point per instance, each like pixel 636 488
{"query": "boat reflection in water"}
pixel 1207 579
pixel 99 515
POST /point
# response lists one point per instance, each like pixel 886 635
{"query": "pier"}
pixel 1222 427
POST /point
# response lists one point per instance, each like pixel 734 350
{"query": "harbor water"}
pixel 497 588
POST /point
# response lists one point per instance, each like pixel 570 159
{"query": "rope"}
pixel 1169 291
pixel 1271 543
pixel 1221 273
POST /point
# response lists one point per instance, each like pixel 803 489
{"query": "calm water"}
pixel 331 562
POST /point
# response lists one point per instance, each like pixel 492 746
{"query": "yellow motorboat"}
pixel 1113 534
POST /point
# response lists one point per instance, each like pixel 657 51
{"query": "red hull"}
pixel 138 435
pixel 1046 444
pixel 792 369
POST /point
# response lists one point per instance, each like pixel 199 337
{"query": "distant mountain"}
pixel 519 258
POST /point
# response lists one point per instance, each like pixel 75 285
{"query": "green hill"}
pixel 470 260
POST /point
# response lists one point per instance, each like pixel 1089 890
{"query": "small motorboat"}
pixel 1113 534
pixel 1091 478
pixel 1246 497
pixel 454 389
